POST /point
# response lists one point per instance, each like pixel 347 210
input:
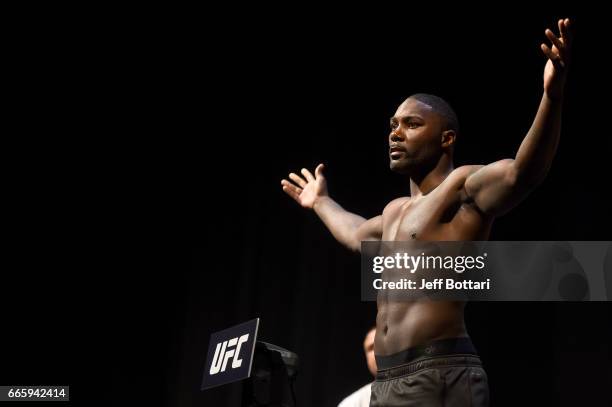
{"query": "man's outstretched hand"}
pixel 306 190
pixel 555 72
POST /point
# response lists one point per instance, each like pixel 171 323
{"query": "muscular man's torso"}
pixel 444 214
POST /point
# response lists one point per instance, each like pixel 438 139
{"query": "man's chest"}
pixel 444 214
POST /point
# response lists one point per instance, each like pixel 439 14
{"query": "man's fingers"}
pixel 548 52
pixel 555 59
pixel 291 186
pixel 556 42
pixel 307 174
pixel 319 170
pixel 297 179
pixel 561 26
pixel 291 189
pixel 292 194
pixel 564 28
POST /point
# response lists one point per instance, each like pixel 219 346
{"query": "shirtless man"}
pixel 422 347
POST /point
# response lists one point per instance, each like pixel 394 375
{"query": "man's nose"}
pixel 396 136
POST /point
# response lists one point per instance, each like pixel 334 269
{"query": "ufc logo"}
pixel 223 353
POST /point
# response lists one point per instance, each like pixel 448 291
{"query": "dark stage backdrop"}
pixel 296 95
pixel 198 235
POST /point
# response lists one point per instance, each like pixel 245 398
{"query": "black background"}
pixel 149 212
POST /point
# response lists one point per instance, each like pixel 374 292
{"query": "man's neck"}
pixel 422 185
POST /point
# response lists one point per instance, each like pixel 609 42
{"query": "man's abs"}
pixel 404 324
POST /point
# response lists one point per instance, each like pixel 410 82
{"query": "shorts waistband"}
pixel 428 363
pixel 441 347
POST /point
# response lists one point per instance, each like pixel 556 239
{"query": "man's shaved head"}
pixel 441 107
pixel 423 129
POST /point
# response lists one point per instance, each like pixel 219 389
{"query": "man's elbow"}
pixel 353 243
pixel 354 247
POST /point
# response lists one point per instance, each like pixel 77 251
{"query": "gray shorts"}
pixel 449 380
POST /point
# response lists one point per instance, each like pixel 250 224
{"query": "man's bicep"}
pixel 493 187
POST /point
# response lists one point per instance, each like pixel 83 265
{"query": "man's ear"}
pixel 448 138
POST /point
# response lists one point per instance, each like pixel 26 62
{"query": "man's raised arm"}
pixel 499 186
pixel 349 229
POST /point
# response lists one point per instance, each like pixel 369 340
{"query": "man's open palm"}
pixel 307 189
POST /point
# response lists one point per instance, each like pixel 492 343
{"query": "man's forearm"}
pixel 536 153
pixel 341 223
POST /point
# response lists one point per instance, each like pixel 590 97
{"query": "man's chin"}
pixel 399 166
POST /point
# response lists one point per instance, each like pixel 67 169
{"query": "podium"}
pixel 272 378
pixel 268 371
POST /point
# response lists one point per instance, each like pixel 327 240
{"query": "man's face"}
pixel 415 138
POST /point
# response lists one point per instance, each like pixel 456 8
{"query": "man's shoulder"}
pixel 396 203
pixel 466 170
pixel 459 175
